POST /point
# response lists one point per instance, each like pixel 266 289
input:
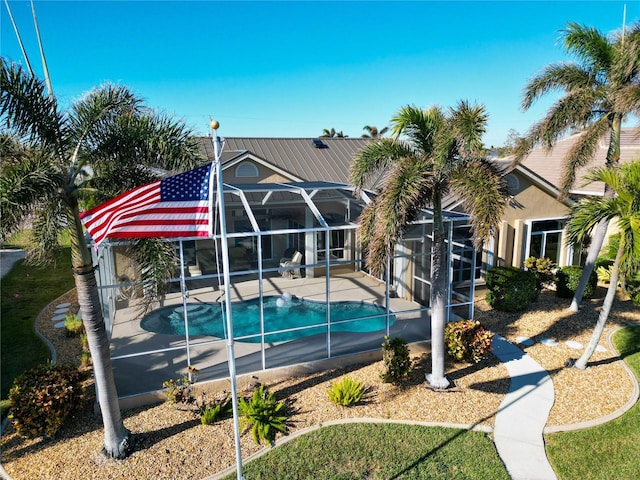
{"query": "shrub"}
pixel 43 397
pixel 179 391
pixel 396 360
pixel 543 269
pixel 211 412
pixel 263 414
pixel 85 358
pixel 84 341
pixel 467 340
pixel 73 326
pixel 510 289
pixel 604 273
pixel 346 392
pixel 567 279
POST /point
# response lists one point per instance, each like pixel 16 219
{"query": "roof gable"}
pixel 549 163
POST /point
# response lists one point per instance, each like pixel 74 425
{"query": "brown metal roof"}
pixel 548 164
pixel 298 156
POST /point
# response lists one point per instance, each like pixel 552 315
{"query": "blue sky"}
pixel 291 69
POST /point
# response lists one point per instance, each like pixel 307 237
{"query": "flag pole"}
pixel 227 295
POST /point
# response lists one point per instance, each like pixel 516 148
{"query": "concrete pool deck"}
pixel 136 375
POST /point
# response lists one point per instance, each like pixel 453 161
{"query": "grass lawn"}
pixel 610 451
pixel 24 292
pixel 381 451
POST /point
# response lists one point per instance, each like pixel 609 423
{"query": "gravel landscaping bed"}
pixel 172 444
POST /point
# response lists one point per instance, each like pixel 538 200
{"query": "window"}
pixel 336 245
pixel 247 170
pixel 513 184
pixel 545 239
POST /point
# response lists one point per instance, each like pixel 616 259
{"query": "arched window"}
pixel 513 184
pixel 247 169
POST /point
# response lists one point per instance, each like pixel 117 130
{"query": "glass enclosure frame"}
pixel 303 217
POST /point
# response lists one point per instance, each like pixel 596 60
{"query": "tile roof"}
pixel 298 156
pixel 548 164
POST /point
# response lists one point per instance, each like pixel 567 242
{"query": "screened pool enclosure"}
pixel 298 284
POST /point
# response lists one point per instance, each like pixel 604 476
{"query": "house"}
pixel 291 233
pixel 535 219
pixel 287 195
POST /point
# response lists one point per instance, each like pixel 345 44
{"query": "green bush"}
pixel 396 360
pixel 346 392
pixel 510 289
pixel 42 398
pixel 568 278
pixel 211 412
pixel 263 414
pixel 467 340
pixel 543 268
pixel 73 326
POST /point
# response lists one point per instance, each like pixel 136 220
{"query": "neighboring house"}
pixel 535 219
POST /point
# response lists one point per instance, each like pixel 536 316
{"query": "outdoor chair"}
pixel 286 265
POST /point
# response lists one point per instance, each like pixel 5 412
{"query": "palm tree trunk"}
pixel 116 436
pixel 437 301
pixel 597 240
pixel 581 363
pixel 613 158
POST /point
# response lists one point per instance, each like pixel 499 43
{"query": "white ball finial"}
pixel 214 124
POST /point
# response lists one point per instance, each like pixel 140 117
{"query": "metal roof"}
pixel 298 156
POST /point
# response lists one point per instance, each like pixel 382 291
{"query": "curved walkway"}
pixel 523 414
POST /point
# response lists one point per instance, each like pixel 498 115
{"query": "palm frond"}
pixel 408 187
pixel 27 178
pixel 50 218
pixel 419 126
pixel 624 207
pixel 560 76
pixel 574 109
pixel 581 153
pixel 584 216
pixel 469 122
pixel 483 190
pixel 27 109
pixel 589 45
pixel 375 158
pixel 157 260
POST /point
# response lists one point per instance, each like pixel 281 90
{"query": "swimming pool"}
pixel 280 313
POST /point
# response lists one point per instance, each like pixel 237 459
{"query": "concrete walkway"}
pixel 523 414
pixel 8 258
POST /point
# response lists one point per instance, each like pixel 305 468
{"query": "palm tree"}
pixel 600 92
pixel 326 133
pixel 441 152
pixel 373 132
pixel 624 208
pixel 103 140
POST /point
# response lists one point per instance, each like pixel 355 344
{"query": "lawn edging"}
pixel 635 395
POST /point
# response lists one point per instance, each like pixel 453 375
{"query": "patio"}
pixel 142 360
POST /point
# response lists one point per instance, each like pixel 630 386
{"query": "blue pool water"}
pixel 280 313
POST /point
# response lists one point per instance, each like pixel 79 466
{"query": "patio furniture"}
pixel 286 265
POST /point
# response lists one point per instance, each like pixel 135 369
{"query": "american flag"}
pixel 176 206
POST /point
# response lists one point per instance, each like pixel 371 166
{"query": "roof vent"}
pixel 319 143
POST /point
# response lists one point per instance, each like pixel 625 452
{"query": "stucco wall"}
pixel 529 202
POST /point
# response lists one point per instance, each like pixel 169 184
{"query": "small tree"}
pixel 624 209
